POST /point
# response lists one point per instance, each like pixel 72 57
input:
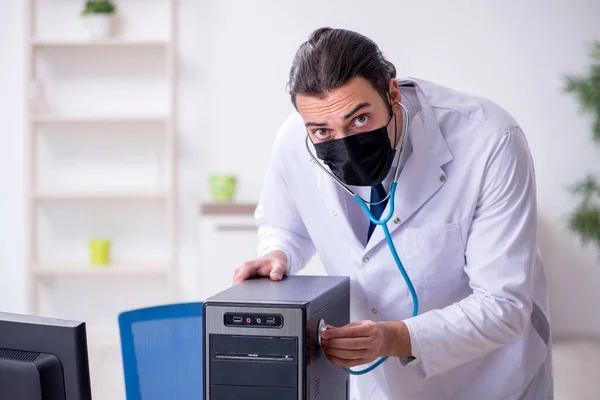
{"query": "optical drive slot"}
pixel 253 356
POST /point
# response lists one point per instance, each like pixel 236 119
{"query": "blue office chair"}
pixel 162 352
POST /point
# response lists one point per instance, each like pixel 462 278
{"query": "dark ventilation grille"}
pixel 18 355
pixel 317 387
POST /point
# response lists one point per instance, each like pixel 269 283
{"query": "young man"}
pixel 464 226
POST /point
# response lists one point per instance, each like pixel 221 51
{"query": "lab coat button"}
pixel 442 178
pixel 366 260
pixel 334 213
pixel 374 310
pixel 397 220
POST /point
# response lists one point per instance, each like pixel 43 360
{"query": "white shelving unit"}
pixel 41 43
pixel 100 195
pixel 60 125
pixel 116 270
pixel 107 119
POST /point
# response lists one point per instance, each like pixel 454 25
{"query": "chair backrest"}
pixel 162 352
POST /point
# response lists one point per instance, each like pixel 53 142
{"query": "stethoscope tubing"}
pixel 388 237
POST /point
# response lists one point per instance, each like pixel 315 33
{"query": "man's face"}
pixel 349 110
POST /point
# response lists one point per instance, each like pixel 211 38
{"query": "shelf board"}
pixel 106 43
pixel 112 270
pixel 99 119
pixel 99 195
pixel 225 209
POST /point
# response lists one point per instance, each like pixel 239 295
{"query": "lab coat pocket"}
pixel 433 256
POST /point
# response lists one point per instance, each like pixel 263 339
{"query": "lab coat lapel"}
pixel 336 201
pixel 422 175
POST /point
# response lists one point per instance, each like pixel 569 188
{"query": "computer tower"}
pixel 261 339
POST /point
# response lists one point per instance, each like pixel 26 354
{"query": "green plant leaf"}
pixel 99 7
pixel 585 186
pixel 585 220
pixel 587 89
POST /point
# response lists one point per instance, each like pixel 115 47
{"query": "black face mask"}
pixel 363 159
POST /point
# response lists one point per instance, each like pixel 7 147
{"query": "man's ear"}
pixel 394 91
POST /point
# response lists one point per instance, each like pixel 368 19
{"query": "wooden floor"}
pixel 576 370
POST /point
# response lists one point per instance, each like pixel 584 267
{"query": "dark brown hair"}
pixel 332 57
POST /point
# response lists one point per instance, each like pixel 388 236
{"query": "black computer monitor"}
pixel 43 359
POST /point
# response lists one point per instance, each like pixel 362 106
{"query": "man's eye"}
pixel 320 133
pixel 361 120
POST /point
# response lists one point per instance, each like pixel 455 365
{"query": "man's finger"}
pixel 340 362
pixel 348 331
pixel 353 323
pixel 346 354
pixel 247 271
pixel 277 272
pixel 361 343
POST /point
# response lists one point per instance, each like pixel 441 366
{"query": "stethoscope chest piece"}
pixel 322 328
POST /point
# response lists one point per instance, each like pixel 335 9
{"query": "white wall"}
pixel 12 153
pixel 235 56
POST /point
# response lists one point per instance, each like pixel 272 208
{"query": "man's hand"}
pixel 354 344
pixel 273 264
pixel 362 342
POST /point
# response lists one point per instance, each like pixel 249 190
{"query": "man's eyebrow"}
pixel 351 113
pixel 355 109
pixel 307 124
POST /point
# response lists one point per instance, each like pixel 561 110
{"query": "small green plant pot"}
pixel 99 252
pixel 223 188
pixel 98 18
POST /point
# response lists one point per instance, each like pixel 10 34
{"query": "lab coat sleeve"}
pixel 500 253
pixel 280 226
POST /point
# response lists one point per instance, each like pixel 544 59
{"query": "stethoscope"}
pixel 381 222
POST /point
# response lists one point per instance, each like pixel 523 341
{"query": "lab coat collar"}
pixel 421 177
pixel 337 201
pixel 431 140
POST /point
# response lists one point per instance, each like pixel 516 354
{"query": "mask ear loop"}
pixel 405 121
pixel 318 162
pixel 395 125
pixel 403 139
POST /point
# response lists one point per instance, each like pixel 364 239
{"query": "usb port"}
pixel 270 320
pixel 237 320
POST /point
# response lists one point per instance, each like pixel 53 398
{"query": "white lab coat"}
pixel 465 227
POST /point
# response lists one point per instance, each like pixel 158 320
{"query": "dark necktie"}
pixel 377 195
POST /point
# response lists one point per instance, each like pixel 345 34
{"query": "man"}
pixel 464 227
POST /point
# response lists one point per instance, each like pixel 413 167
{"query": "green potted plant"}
pixel 98 16
pixel 585 219
pixel 223 187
